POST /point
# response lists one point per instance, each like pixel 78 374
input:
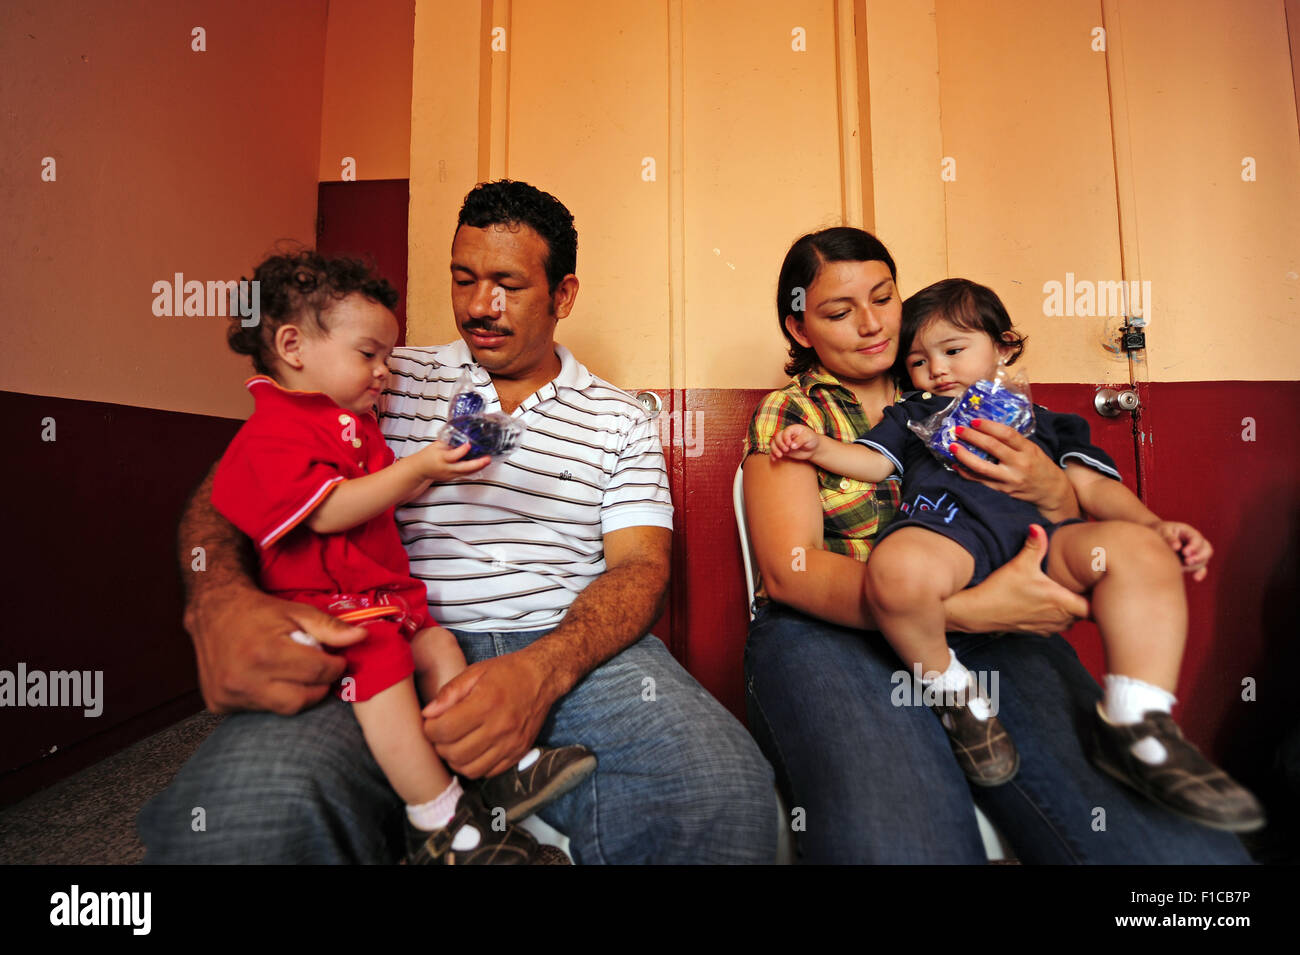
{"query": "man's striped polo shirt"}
pixel 511 546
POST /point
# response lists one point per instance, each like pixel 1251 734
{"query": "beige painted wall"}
pixel 1207 89
pixel 174 160
pixel 167 160
pixel 1027 126
pixel 444 155
pixel 582 132
pixel 366 102
pixel 761 138
pixel 1102 164
pixel 910 213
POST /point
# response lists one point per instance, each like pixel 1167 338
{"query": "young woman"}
pixel 872 772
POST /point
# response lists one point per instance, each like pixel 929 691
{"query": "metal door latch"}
pixel 652 403
pixel 1132 337
pixel 1111 402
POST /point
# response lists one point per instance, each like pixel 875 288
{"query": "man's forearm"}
pixel 613 612
pixel 227 559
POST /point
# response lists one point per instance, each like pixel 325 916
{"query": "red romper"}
pixel 285 460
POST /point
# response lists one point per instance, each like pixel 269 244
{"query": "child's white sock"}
pixel 957 680
pixel 438 811
pixel 1127 700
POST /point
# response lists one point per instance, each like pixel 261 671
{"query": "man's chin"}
pixel 491 359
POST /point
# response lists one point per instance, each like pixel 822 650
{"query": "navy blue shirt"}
pixel 988 523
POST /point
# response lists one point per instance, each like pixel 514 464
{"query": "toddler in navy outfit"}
pixel 953 532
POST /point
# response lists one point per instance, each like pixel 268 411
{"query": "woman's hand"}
pixel 797 442
pixel 1023 470
pixel 1017 596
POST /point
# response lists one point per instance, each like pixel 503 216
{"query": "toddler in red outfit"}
pixel 311 481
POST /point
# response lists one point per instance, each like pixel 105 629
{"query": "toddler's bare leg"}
pixel 1138 597
pixel 1140 607
pixel 438 658
pixel 909 575
pixel 394 732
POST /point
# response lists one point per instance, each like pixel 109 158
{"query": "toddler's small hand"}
pixel 797 442
pixel 438 463
pixel 1189 544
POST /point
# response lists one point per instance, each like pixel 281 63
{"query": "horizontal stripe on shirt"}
pixel 511 546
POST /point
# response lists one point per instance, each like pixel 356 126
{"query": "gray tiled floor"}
pixel 89 819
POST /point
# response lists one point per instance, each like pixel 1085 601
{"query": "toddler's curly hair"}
pixel 296 287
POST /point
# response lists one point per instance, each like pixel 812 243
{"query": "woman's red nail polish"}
pixel 976 422
pixel 953 447
pixel 958 430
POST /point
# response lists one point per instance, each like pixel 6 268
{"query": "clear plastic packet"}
pixel 1005 400
pixel 488 432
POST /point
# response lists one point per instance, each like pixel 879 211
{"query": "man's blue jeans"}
pixel 679 779
pixel 877 783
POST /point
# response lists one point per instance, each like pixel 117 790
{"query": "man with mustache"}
pixel 549 566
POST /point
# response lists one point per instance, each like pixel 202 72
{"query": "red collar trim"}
pixel 267 380
pixel 280 395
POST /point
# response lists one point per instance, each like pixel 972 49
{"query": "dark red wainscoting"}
pixel 367 220
pixel 96 587
pixel 1244 495
pixel 94 583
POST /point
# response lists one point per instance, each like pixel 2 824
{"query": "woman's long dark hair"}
pixel 800 269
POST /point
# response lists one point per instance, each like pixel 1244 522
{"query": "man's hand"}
pixel 247 660
pixel 1189 544
pixel 797 442
pixel 1023 470
pixel 485 719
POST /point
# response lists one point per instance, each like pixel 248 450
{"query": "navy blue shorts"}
pixel 990 547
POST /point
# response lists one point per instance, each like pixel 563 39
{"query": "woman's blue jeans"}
pixel 874 782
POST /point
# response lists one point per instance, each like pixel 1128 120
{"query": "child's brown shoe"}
pixel 499 844
pixel 521 792
pixel 1186 782
pixel 983 748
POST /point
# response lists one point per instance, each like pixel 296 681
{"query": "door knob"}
pixel 652 403
pixel 1111 402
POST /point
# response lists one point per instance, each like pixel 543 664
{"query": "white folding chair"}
pixel 994 845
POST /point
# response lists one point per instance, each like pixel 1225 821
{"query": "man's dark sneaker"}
pixel 1186 783
pixel 503 845
pixel 983 748
pixel 522 792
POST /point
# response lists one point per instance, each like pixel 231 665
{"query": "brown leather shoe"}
pixel 522 792
pixel 497 846
pixel 551 855
pixel 1186 783
pixel 983 748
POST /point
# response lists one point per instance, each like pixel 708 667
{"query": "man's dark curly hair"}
pixel 509 202
pixel 296 286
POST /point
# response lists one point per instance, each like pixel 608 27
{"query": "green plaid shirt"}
pixel 853 512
